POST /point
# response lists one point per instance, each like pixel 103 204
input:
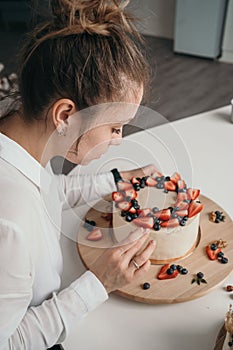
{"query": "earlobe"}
pixel 61 111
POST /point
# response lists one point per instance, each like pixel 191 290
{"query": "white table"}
pixel 124 324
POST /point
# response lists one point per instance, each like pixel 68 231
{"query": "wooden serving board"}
pixel 180 288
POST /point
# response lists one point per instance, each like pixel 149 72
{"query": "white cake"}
pixel 172 243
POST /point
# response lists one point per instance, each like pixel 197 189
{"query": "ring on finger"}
pixel 135 264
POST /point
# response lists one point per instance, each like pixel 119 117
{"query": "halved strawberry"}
pixel 181 205
pixel 181 184
pixel 132 210
pixel 130 194
pixel 156 174
pixel 95 235
pixel 163 275
pixel 124 205
pixel 134 180
pixel 124 185
pixel 193 193
pixel 163 214
pixel 212 254
pixel 183 212
pixel 169 185
pixel 146 222
pixel 144 212
pixel 194 208
pixel 151 182
pixel 175 177
pixel 181 196
pixel 170 223
pixel 117 196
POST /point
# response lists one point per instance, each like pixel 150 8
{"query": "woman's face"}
pixel 95 142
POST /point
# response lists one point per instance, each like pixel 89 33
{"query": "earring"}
pixel 62 129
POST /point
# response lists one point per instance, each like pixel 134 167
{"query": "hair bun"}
pixel 92 16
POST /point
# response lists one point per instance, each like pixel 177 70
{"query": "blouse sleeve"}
pixel 37 327
pixel 82 189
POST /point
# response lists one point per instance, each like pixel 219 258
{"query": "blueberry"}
pixel 176 208
pixel 142 184
pixel 179 267
pixel 138 178
pixel 156 220
pixel 230 343
pixel 180 218
pixel 146 285
pixel 88 227
pixel 173 267
pixel 218 213
pixel 158 178
pixel 144 178
pixel 220 255
pixel 213 246
pixel 182 222
pixel 155 209
pixel 174 215
pixel 159 185
pixel 134 202
pixel 185 218
pixel 171 209
pixel 134 216
pixel 136 206
pixel 167 178
pixel 92 223
pixel 136 187
pixel 184 271
pixel 165 191
pixel 128 218
pixel 200 275
pixel 224 260
pixel 217 220
pixel 170 271
pixel 157 226
pixel 123 213
pixel 186 200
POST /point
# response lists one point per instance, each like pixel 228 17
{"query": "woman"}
pixel 86 56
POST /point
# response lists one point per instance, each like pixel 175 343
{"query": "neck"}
pixel 32 137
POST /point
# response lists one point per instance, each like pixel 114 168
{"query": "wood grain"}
pixel 179 289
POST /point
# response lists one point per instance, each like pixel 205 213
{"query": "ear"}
pixel 62 110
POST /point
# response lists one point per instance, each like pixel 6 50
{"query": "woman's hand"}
pixel 147 170
pixel 115 268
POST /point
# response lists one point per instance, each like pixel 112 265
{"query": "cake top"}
pixel 175 203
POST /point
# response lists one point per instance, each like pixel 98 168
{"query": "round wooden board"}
pixel 179 289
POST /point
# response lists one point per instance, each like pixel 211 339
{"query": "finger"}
pixel 143 269
pixel 130 241
pixel 142 258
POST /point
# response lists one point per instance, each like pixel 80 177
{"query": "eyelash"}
pixel 116 130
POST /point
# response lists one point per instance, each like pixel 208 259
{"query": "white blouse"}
pixel 34 314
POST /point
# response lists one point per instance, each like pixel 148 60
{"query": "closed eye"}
pixel 116 131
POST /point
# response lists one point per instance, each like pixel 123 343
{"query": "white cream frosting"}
pixel 171 243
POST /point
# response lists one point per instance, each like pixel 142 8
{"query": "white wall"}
pixel 227 47
pixel 157 17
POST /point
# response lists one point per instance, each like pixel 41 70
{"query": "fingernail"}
pixel 153 242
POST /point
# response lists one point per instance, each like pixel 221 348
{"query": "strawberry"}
pixel 134 181
pixel 130 194
pixel 117 196
pixel 181 196
pixel 95 235
pixel 151 182
pixel 170 223
pixel 125 206
pixel 163 273
pixel 146 222
pixel 169 185
pixel 182 213
pixel 132 210
pixel 124 185
pixel 181 184
pixel 182 205
pixel 144 212
pixel 163 214
pixel 212 254
pixel 194 208
pixel 175 178
pixel 193 193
